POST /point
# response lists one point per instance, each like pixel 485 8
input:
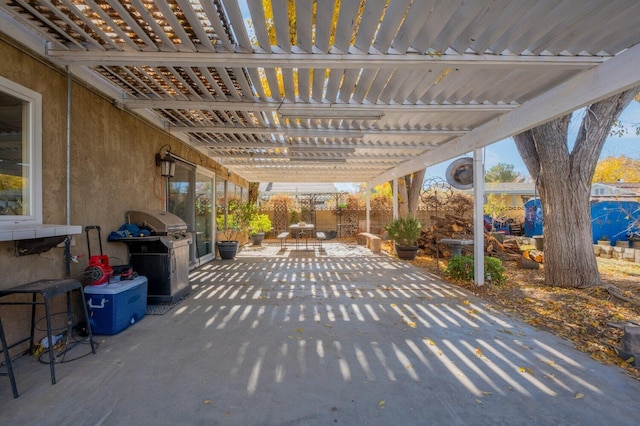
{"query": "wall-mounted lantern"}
pixel 166 163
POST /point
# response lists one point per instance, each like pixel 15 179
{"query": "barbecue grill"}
pixel 162 257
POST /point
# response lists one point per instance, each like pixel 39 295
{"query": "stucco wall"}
pixel 113 166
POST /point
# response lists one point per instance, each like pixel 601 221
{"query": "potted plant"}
pixel 233 229
pixel 259 224
pixel 404 232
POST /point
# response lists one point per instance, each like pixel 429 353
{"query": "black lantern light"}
pixel 167 163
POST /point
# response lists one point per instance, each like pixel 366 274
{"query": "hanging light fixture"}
pixel 166 163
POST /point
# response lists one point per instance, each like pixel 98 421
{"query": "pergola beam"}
pixel 316 60
pixel 316 133
pixel 311 108
pixel 222 145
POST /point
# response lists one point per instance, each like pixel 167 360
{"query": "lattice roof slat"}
pixel 259 22
pixel 141 39
pixel 234 16
pixel 369 23
pixel 90 26
pixel 281 20
pixel 434 25
pixel 378 85
pixel 364 83
pixel 376 74
pixel 289 85
pixel 304 25
pixel 304 75
pixel 347 21
pixel 221 29
pixel 59 34
pixel 333 84
pixel 324 27
pixel 348 84
pixel 155 27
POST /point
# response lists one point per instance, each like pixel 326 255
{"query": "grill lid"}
pixel 158 221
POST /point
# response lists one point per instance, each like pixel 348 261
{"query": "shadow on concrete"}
pixel 344 338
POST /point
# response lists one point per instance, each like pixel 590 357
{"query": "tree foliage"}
pixel 502 172
pixel 617 169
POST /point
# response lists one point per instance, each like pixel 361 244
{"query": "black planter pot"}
pixel 227 249
pixel 406 252
pixel 257 238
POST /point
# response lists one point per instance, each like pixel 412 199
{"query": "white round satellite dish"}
pixel 459 174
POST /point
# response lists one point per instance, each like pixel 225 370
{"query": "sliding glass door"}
pixel 204 219
pixel 191 199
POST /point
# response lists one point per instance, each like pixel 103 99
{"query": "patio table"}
pixel 301 230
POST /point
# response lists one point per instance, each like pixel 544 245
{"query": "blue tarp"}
pixel 617 220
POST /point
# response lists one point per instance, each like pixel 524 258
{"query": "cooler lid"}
pixel 116 286
pixel 157 221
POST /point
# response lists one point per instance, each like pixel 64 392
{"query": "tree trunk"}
pixel 414 191
pixel 403 197
pixel 563 180
pixel 409 193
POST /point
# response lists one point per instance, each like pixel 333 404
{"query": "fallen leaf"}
pixel 479 352
pixel 579 396
pixel 487 393
pixel 466 302
pixel 208 401
pixel 526 370
pixel 328 325
pixel 299 329
pixel 381 404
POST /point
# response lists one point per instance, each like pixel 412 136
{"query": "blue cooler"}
pixel 115 306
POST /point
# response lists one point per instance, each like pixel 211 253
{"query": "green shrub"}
pixel 404 231
pixel 462 268
pixel 259 223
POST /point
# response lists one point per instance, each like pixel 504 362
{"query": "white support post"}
pixel 368 210
pixel 395 198
pixel 478 215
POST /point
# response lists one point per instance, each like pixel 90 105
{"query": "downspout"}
pixel 69 83
pixel 67 241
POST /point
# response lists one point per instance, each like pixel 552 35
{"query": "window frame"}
pixel 34 141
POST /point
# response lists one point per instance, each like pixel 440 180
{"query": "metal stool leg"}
pixel 86 317
pixel 47 314
pixel 7 361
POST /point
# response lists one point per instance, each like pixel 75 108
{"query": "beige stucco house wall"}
pixel 112 168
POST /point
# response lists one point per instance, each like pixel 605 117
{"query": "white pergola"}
pixel 367 91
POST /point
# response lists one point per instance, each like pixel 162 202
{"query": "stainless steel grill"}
pixel 162 257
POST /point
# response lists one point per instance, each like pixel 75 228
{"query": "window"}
pixel 20 155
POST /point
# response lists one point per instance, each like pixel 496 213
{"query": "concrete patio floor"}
pixel 338 336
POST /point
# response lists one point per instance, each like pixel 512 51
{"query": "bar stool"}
pixel 7 362
pixel 47 289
